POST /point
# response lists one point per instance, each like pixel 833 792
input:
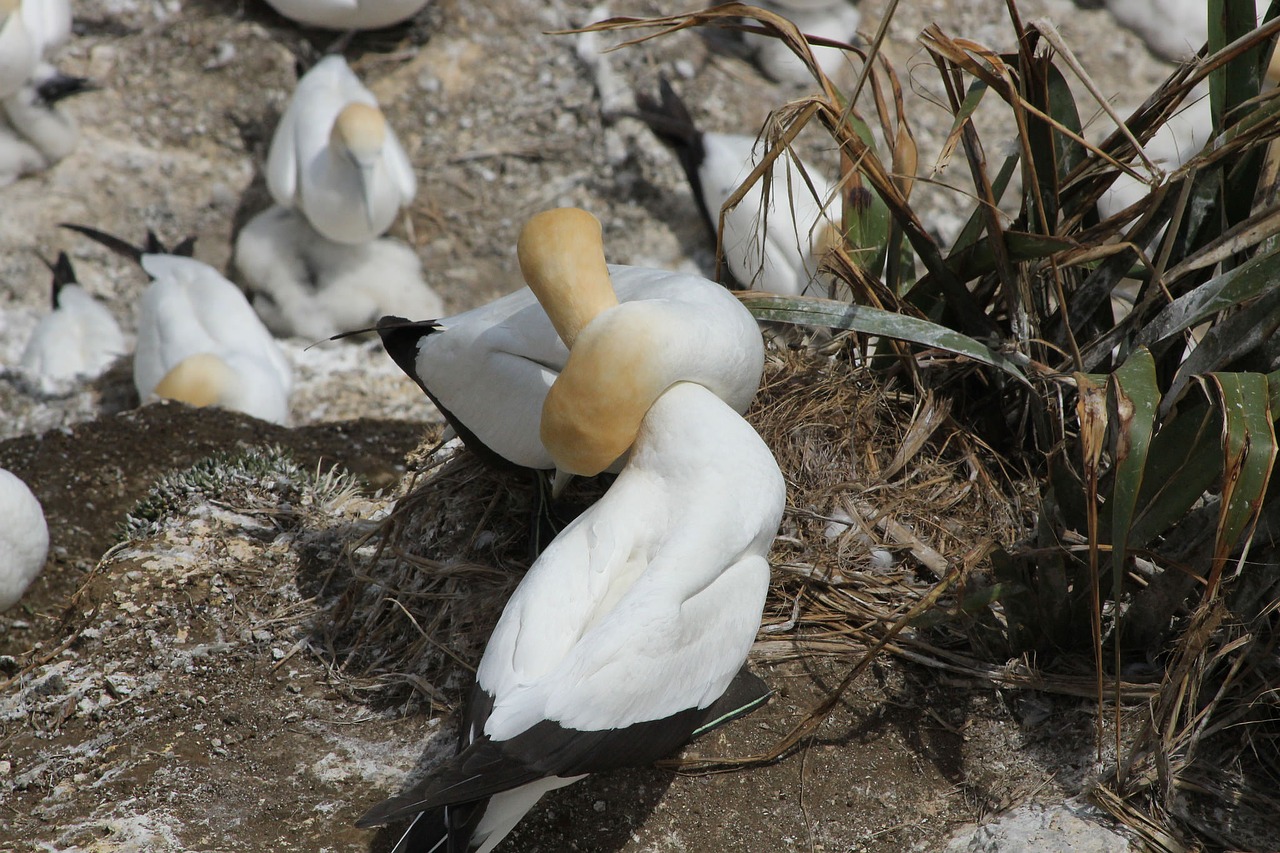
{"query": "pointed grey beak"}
pixel 558 483
pixel 366 183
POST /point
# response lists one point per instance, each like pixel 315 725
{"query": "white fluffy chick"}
pixel 308 286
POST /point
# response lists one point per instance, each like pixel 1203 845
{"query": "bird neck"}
pixel 201 380
pixel 561 256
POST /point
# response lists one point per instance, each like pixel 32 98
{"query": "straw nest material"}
pixel 884 497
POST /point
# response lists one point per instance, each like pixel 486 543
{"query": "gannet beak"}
pixel 559 482
pixel 366 184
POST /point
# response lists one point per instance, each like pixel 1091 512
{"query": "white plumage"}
pixel 774 247
pixel 636 620
pixel 335 158
pixel 48 22
pixel 79 339
pixel 24 539
pixel 34 132
pixel 19 51
pixel 489 369
pixel 199 341
pixel 1172 29
pixel 836 20
pixel 348 14
pixel 312 287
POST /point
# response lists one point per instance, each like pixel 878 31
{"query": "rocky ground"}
pixel 179 701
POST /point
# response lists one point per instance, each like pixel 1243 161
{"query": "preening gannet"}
pixel 199 341
pixel 776 250
pixel 488 369
pixel 348 14
pixel 335 158
pixel 836 20
pixel 24 539
pixel 625 636
pixel 79 339
pixel 306 285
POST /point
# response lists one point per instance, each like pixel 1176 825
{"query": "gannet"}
pixel 335 158
pixel 19 51
pixel 79 339
pixel 488 369
pixel 48 22
pixel 836 20
pixel 624 637
pixel 348 14
pixel 306 285
pixel 776 250
pixel 34 133
pixel 24 539
pixel 199 341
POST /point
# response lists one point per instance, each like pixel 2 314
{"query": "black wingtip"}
pixel 59 86
pixel 63 274
pixel 152 245
pixel 400 338
pixel 112 242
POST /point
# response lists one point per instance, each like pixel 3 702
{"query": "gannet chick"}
pixel 34 133
pixel 335 158
pixel 777 250
pixel 623 639
pixel 79 339
pixel 199 341
pixel 19 51
pixel 24 539
pixel 308 286
pixel 836 20
pixel 348 14
pixel 488 369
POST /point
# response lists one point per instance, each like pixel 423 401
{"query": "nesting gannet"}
pixel 335 158
pixel 348 14
pixel 624 637
pixel 34 133
pixel 79 339
pixel 777 249
pixel 306 285
pixel 199 341
pixel 24 539
pixel 488 369
pixel 836 20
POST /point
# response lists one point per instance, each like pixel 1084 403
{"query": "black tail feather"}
pixel 63 274
pixel 59 86
pixel 152 246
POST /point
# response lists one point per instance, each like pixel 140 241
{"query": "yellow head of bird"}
pixel 361 129
pixel 561 255
pixel 199 380
pixel 615 371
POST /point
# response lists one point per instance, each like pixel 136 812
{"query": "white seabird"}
pixel 775 250
pixel 199 341
pixel 24 539
pixel 34 132
pixel 335 158
pixel 79 339
pixel 625 637
pixel 348 14
pixel 836 20
pixel 488 370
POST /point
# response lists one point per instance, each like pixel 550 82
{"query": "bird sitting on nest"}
pixel 348 14
pixel 488 370
pixel 79 339
pixel 199 341
pixel 339 176
pixel 628 636
pixel 775 249
pixel 24 539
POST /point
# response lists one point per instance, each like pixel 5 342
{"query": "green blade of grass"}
pixel 1249 453
pixel 1133 399
pixel 809 311
pixel 1225 291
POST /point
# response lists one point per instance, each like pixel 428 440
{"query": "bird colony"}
pixel 629 635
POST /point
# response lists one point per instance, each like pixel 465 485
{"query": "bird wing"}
pixel 282 159
pixel 399 168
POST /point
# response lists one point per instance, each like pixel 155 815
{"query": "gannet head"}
pixel 561 255
pixel 360 131
pixel 200 380
pixel 615 371
pixel 8 7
